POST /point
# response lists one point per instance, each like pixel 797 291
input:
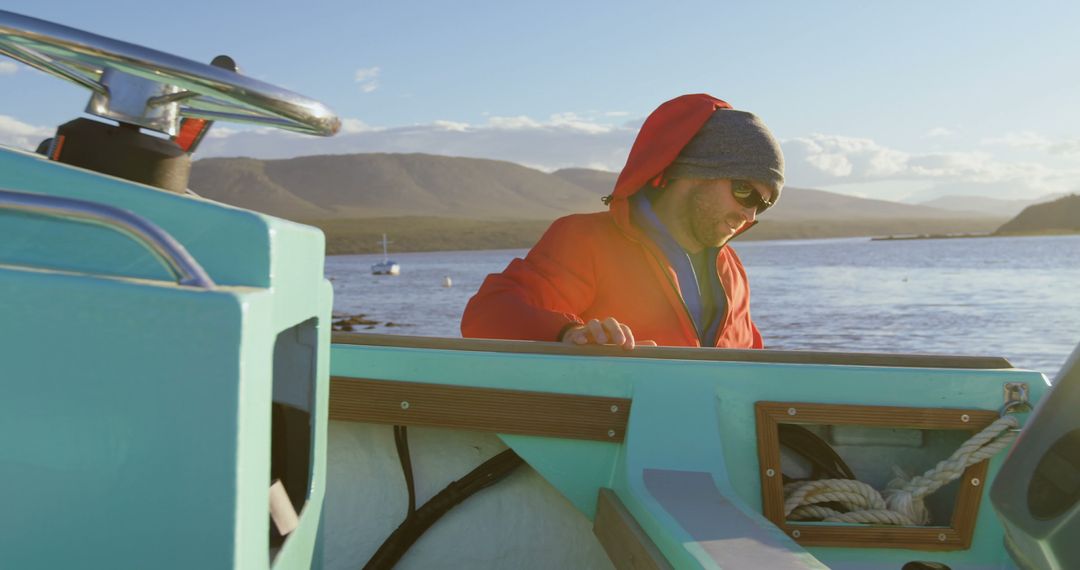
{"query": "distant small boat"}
pixel 387 266
pixel 447 282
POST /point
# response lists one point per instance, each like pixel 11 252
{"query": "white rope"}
pixel 884 516
pixel 902 501
pixel 848 492
pixel 812 512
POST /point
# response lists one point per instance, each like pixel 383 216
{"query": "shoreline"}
pixel 363 235
pixel 895 237
pixel 903 237
pixel 931 236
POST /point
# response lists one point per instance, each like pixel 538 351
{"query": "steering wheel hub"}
pixel 131 99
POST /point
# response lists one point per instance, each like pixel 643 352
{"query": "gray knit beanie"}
pixel 732 144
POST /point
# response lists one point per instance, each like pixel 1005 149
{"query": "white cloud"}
pixel 16 133
pixel 219 132
pixel 365 73
pixel 1025 139
pixel 972 167
pixel 833 160
pixel 572 121
pixel 451 126
pixel 513 123
pixel 938 132
pixel 353 126
pixel 821 159
pixel 1067 148
pixel 368 78
pixel 1028 140
pixel 559 121
pixel 8 67
pixel 599 166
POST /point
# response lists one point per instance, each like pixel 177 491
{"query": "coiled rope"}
pixel 901 503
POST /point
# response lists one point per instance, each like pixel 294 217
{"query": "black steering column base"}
pixel 123 151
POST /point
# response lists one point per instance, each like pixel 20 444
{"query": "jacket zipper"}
pixel 727 307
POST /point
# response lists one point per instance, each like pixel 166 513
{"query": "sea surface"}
pixel 1017 297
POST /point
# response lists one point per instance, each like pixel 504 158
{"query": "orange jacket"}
pixel 600 265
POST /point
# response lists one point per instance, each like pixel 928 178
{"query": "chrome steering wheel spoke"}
pixel 153 89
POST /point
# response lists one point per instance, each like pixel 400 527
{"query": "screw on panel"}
pixel 796 533
pixel 404 405
pixel 611 433
pixel 965 418
pixel 770 473
pixel 791 411
pixel 975 481
pixel 614 409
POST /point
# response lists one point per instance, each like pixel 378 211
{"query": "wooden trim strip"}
pixel 672 352
pixel 877 416
pixel 626 543
pixel 480 409
pixel 957 536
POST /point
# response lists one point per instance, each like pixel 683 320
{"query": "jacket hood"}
pixel 663 135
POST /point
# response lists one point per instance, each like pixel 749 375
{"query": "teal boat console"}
pixel 150 417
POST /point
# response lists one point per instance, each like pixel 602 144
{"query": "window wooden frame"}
pixel 957 536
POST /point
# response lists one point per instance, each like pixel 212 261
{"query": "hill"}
pixel 1060 216
pixel 597 182
pixel 983 205
pixel 805 204
pixel 388 185
pixel 802 204
pixel 428 202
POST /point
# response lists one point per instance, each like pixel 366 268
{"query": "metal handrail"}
pixel 169 251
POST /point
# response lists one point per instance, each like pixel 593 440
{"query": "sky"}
pixel 907 101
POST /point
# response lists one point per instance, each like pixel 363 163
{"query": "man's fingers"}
pixel 608 331
pixel 575 335
pixel 615 332
pixel 596 331
pixel 628 337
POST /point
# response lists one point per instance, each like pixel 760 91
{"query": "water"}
pixel 1013 297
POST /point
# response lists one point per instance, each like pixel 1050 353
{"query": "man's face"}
pixel 713 215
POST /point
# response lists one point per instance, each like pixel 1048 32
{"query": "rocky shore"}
pixel 360 321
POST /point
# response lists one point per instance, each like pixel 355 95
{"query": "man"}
pixel 656 265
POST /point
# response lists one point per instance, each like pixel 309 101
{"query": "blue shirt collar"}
pixel 644 217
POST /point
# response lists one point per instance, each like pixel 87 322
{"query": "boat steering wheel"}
pixel 152 89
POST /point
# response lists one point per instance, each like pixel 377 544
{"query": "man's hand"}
pixel 607 331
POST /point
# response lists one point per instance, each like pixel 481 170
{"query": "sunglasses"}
pixel 747 196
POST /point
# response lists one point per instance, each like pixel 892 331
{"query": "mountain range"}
pixel 442 202
pixel 322 187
